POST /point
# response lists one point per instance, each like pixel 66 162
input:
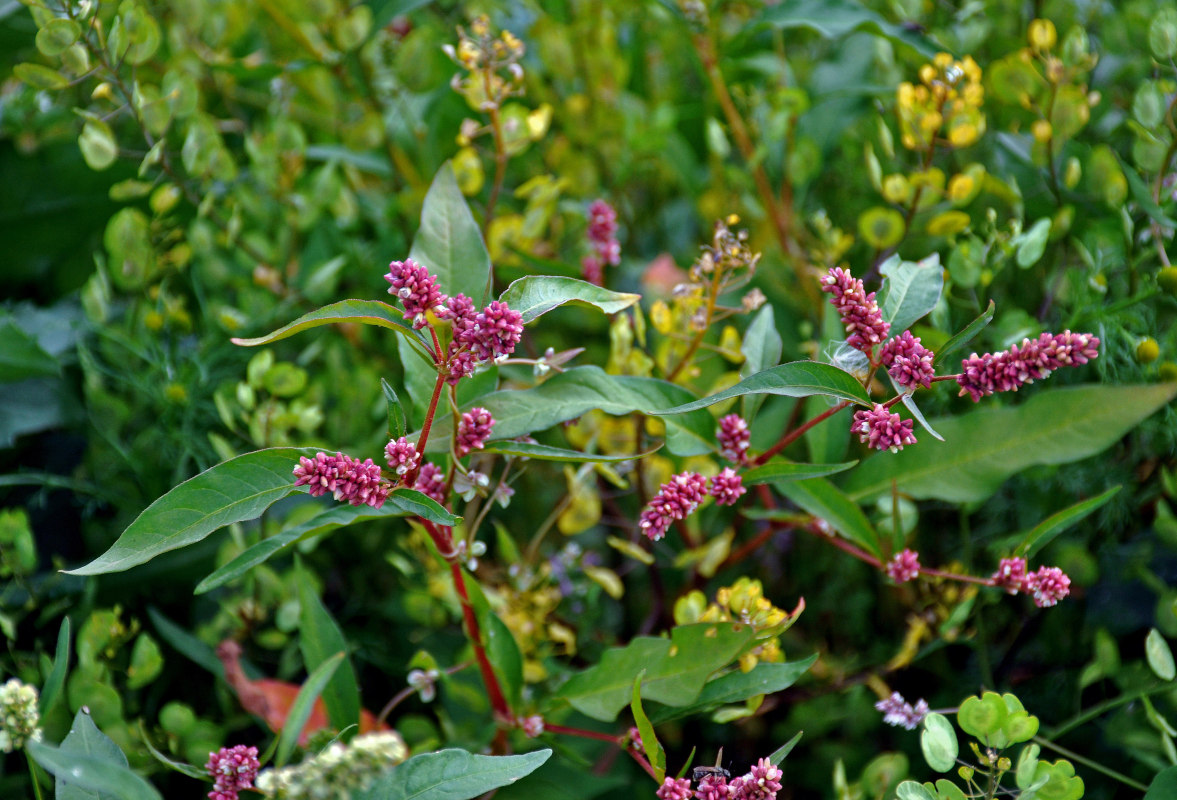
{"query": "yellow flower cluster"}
pixel 945 107
pixel 744 602
pixel 492 64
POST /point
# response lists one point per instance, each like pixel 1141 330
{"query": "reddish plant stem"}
pixel 581 732
pixel 411 478
pixel 497 701
pixel 954 576
pixel 862 555
pixel 795 434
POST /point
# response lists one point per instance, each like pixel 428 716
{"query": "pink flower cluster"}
pixel 904 566
pixel 734 436
pixel 357 482
pixel 482 336
pixel 232 769
pixel 1047 586
pixel 897 711
pixel 883 430
pixel 680 496
pixel 431 482
pixel 417 290
pixel 908 361
pixel 861 315
pixel 478 335
pixel 602 233
pixel 1031 360
pixel 402 456
pixel 762 782
pixel 473 430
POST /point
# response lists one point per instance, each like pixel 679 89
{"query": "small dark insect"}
pixel 699 773
pixel 913 27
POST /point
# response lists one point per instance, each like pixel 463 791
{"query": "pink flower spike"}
pixel 674 789
pixel 1048 585
pixel 860 313
pixel 232 769
pixel 532 726
pixel 904 567
pixel 473 430
pixel 357 482
pixel 713 787
pixel 1011 575
pixel 908 361
pixel 402 456
pixel 416 289
pixel 497 329
pixel 677 499
pixel 763 781
pixel 431 482
pixel 1032 360
pixel 727 487
pixel 897 711
pixel 883 430
pixel 733 436
pixel 602 232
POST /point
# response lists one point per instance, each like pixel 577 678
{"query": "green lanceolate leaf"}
pixel 796 379
pixel 736 687
pixel 239 489
pixel 1160 657
pixel 505 656
pixel 364 312
pixel 319 640
pixel 761 349
pixel 1045 531
pixel 304 703
pixel 543 452
pixel 449 243
pixel 535 295
pixel 966 335
pixel 579 390
pixel 424 506
pixel 21 357
pixel 781 469
pixel 825 501
pixel 912 290
pixel 451 775
pixel 983 448
pixel 782 752
pixel 56 678
pixel 90 766
pixel 676 669
pixel 396 414
pixel 834 19
pixel 650 744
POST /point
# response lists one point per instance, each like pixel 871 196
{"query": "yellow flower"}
pixel 1042 34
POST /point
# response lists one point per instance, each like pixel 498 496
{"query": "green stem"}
pixel 33 775
pixel 1087 762
pixel 1101 708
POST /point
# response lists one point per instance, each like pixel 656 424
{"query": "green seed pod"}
pixel 1147 351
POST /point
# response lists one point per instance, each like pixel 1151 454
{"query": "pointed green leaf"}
pixel 184 769
pixel 825 501
pixel 319 639
pixel 676 668
pixel 577 391
pixel 90 766
pixel 505 656
pixel 761 348
pixel 236 490
pixel 543 452
pixel 782 752
pixel 796 379
pixel 449 243
pixel 364 312
pixel 56 678
pixel 966 335
pixel 1045 531
pixel 985 447
pixel 1163 786
pixel 781 469
pixel 650 744
pixel 304 703
pixel 451 775
pixel 396 414
pixel 911 290
pixel 736 687
pixel 909 403
pixel 535 295
pixel 424 506
pixel 186 644
pixel 22 357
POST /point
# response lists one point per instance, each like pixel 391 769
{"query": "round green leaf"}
pixel 983 716
pixel 142 32
pixel 938 741
pixel 910 790
pixel 40 77
pixel 285 379
pixel 58 35
pixel 98 145
pixel 1148 106
pixel 1162 34
pixel 1020 726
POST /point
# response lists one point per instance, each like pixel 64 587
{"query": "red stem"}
pixel 584 734
pixel 795 434
pixel 862 555
pixel 497 701
pixel 411 478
